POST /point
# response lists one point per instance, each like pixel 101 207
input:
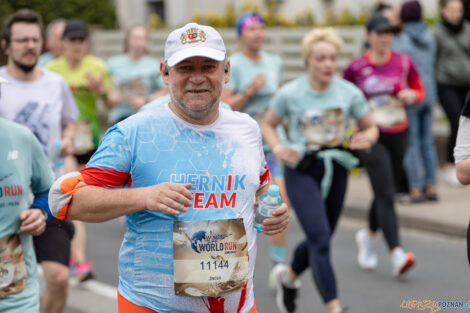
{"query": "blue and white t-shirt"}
pixel 225 163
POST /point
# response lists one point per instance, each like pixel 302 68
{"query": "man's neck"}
pixel 317 85
pixel 18 74
pixel 379 57
pixel 72 62
pixel 210 118
pixel 134 56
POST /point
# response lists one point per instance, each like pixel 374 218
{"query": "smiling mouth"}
pixel 198 91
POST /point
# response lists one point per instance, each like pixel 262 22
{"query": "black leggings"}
pixel 318 218
pixel 382 215
pixel 396 145
pixel 452 99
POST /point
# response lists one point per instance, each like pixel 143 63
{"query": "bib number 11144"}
pixel 208 265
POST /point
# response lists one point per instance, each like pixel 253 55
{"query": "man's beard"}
pixel 25 67
pixel 196 114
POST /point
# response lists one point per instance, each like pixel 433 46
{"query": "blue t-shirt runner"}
pixel 201 260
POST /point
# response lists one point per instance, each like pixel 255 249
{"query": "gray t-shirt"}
pixel 45 106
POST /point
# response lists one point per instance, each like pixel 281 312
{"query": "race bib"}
pixel 387 110
pixel 322 128
pixel 131 87
pixel 209 257
pixel 13 276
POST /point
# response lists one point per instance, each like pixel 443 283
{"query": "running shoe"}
pixel 272 281
pixel 401 261
pixel 83 271
pixel 285 296
pixel 342 310
pixel 367 256
pixel 450 177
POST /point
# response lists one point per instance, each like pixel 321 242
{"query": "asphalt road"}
pixel 441 274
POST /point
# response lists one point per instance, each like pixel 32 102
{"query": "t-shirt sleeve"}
pixel 349 74
pixel 413 73
pixel 107 81
pixel 462 146
pixel 110 165
pixel 359 105
pixel 414 80
pixel 264 170
pixel 42 176
pixel 278 105
pixel 69 110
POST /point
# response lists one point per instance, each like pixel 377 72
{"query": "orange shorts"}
pixel 125 306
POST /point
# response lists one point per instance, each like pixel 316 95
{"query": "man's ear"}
pixel 4 45
pixel 227 72
pixel 164 72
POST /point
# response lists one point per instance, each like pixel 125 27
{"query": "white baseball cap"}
pixel 193 40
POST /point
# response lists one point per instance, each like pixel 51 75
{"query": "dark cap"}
pixel 411 11
pixel 75 29
pixel 379 23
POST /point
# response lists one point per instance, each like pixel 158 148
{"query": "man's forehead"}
pixel 198 60
pixel 25 27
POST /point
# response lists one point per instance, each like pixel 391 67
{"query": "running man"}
pixel 23 168
pixel 187 175
pixel 318 107
pixel 42 101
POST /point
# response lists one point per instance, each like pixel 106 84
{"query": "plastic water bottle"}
pixel 268 202
pixel 56 159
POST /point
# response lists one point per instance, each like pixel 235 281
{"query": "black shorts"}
pixel 84 158
pixel 54 243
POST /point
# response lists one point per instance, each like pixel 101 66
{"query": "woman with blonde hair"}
pixel 318 107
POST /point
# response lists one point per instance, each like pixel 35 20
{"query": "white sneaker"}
pixel 285 295
pixel 450 177
pixel 401 261
pixel 367 256
pixel 272 281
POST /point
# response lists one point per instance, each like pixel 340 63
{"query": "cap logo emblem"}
pixel 192 35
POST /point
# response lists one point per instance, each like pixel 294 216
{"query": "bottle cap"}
pixel 273 190
pixel 257 227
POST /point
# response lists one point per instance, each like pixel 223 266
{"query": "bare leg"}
pixel 54 296
pixel 79 242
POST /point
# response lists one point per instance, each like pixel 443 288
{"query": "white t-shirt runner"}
pixel 225 163
pixel 45 106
